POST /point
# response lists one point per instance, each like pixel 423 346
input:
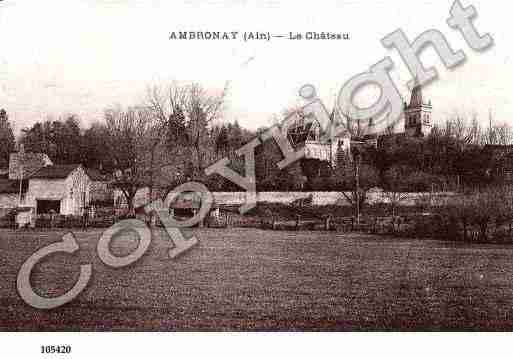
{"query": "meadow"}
pixel 251 279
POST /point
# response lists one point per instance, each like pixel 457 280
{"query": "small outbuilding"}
pixel 62 189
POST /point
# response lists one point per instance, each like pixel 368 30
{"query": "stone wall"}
pixel 322 198
pixel 318 198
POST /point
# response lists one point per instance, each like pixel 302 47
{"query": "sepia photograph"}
pixel 255 166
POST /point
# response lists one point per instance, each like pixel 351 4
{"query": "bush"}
pixel 419 182
pixel 485 211
pixel 322 184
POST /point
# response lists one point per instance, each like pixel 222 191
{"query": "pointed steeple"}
pixel 416 95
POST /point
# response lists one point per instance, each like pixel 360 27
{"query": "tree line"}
pixel 178 130
pixel 167 139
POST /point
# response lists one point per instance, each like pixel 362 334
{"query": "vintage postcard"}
pixel 255 166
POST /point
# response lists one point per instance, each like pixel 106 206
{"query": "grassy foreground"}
pixel 248 279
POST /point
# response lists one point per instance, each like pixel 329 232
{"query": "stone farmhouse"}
pixel 63 189
pixel 35 183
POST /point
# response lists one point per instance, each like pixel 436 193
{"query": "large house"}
pixel 321 153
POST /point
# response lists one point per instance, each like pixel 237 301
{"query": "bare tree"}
pixel 475 132
pixel 359 178
pixel 130 133
pixel 503 134
pixel 396 186
pixel 346 123
pixel 186 112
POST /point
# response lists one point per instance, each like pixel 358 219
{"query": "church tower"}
pixel 417 115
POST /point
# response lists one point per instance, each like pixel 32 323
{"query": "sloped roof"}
pixel 416 96
pixel 416 99
pixel 55 172
pixel 30 162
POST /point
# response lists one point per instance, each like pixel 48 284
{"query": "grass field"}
pixel 247 279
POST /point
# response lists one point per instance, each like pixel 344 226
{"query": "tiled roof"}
pixel 30 162
pixel 55 172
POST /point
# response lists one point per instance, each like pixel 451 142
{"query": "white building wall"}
pixel 45 189
pixel 320 198
pixel 73 192
pixel 78 192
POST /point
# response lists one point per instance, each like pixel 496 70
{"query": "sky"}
pixel 59 57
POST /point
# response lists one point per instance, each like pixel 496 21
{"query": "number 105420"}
pixel 55 349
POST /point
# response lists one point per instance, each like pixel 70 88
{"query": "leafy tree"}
pixel 6 139
pixel 61 140
pixel 235 136
pixel 38 138
pixel 222 145
pixel 176 129
pixel 96 148
pixel 67 138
